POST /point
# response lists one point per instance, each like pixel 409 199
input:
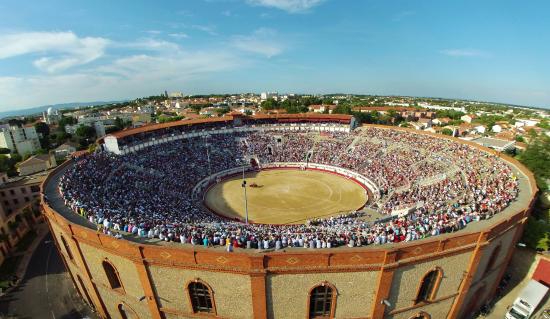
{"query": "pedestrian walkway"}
pixel 521 268
pixel 41 230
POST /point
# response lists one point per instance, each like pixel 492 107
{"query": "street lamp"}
pixel 245 197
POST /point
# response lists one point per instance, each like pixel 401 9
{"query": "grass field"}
pixel 286 196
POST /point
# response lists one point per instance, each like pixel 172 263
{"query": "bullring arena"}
pixel 427 232
pixel 286 196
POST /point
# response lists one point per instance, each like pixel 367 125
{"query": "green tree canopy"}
pixel 42 128
pixel 269 104
pixel 85 131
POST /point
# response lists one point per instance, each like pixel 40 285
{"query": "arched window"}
pixel 67 249
pixel 492 259
pixel 112 275
pixel 122 311
pixel 126 312
pixel 428 285
pixel 200 295
pixel 322 301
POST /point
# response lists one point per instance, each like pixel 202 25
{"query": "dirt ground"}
pixel 286 196
pixel 521 268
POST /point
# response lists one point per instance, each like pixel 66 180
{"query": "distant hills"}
pixel 39 109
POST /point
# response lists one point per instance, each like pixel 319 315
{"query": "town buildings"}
pixel 22 140
pixel 18 202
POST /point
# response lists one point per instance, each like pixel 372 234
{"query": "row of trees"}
pixel 536 157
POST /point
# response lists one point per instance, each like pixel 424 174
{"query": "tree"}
pixel 269 104
pixel 447 131
pixel 60 137
pixel 223 110
pixel 196 107
pixel 85 131
pixel 15 122
pixel 42 128
pixel 452 114
pixel 119 123
pixel 7 164
pixel 535 157
pixel 536 234
pixel 342 109
pixel 64 121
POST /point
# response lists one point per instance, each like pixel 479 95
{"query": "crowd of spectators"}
pixel 148 193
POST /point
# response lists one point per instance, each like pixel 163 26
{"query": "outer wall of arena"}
pixel 369 282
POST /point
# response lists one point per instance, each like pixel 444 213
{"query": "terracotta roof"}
pixel 466 126
pixel 506 135
pixel 542 272
pixel 384 108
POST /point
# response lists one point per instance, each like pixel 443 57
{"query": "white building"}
pixel 440 107
pixel 468 118
pixel 21 140
pixel 98 127
pixel 522 122
pixel 175 95
pixel 496 128
pixel 65 149
pixel 51 116
pixel 149 108
pixel 269 95
pixel 480 129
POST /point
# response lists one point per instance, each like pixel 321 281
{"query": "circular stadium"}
pixel 287 216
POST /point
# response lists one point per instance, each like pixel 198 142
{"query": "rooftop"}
pixel 19 181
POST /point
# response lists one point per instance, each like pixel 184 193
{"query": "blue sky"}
pixel 68 51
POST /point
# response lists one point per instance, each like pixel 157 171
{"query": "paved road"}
pixel 46 291
pixel 521 268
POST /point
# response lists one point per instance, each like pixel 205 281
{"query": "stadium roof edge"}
pixel 305 116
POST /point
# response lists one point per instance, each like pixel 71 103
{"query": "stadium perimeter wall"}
pixel 250 284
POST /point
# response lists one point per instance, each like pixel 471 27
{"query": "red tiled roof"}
pixel 384 108
pixel 542 272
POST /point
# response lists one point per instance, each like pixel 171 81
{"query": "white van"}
pixel 527 301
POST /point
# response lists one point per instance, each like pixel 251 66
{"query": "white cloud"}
pixel 291 6
pixel 179 35
pixel 464 53
pixel 59 50
pixel 162 65
pixel 263 41
pixel 149 44
pixel 153 32
pixel 174 65
pixel 205 28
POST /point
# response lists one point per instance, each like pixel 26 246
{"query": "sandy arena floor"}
pixel 286 196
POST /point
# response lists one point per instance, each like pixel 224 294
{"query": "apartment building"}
pixel 18 198
pixel 22 140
